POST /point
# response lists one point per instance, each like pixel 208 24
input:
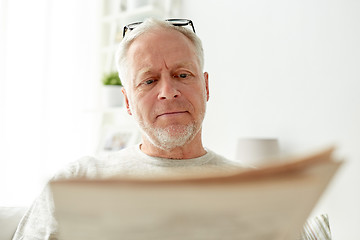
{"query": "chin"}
pixel 172 137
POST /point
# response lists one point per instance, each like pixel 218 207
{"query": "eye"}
pixel 182 75
pixel 148 82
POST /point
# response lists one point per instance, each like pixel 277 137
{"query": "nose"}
pixel 168 89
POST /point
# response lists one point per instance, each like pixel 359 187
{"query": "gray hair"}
pixel 147 26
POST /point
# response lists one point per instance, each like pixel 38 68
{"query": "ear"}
pixel 126 101
pixel 206 77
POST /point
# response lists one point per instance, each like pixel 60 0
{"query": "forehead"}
pixel 161 45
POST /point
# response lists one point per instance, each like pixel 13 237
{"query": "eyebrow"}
pixel 142 72
pixel 146 70
pixel 149 70
pixel 184 64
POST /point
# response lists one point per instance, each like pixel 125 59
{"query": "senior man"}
pixel 166 91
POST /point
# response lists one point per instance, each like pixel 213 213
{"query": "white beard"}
pixel 173 136
pixel 170 137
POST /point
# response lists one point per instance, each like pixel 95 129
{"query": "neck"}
pixel 192 149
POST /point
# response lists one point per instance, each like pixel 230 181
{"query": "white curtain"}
pixel 49 82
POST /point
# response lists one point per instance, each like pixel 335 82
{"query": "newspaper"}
pixel 272 202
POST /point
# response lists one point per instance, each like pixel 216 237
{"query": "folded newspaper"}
pixel 271 202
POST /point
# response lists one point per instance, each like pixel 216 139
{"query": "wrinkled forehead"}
pixel 163 38
pixel 161 44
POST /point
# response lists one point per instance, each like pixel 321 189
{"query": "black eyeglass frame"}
pixel 174 21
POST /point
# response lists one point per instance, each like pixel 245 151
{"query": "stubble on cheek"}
pixel 172 135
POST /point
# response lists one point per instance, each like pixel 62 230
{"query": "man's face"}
pixel 167 92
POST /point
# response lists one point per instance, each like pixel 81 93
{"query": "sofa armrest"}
pixel 9 220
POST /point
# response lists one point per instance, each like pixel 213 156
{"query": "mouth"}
pixel 171 114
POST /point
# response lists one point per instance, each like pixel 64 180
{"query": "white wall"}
pixel 49 61
pixel 287 69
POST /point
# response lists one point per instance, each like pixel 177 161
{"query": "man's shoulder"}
pixel 219 160
pixel 76 168
pixel 102 165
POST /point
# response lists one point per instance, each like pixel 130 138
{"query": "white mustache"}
pixel 172 107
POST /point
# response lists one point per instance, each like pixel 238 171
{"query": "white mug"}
pixel 257 151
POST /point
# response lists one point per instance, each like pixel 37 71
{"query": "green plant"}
pixel 111 78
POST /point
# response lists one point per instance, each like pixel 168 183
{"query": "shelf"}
pixel 138 14
pixel 142 13
pixel 115 122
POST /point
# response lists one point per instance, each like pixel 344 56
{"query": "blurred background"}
pixel 285 70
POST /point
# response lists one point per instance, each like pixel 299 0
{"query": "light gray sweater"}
pixel 39 222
